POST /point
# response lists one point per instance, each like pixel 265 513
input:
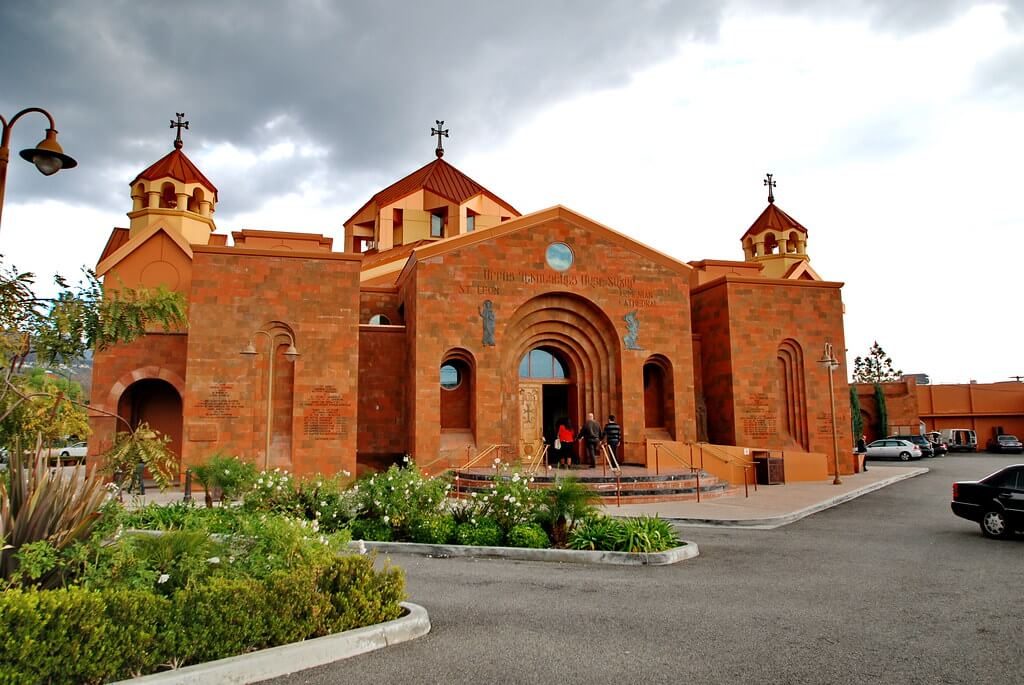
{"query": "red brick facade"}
pixel 711 351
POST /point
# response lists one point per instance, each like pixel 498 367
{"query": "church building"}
pixel 446 322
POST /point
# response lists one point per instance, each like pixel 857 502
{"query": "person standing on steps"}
pixel 612 435
pixel 591 433
pixel 565 447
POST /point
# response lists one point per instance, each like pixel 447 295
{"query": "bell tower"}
pixel 175 194
pixel 778 242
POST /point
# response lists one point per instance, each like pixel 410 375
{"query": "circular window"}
pixel 379 320
pixel 558 256
pixel 450 376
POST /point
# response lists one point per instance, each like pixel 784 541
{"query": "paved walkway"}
pixel 772 506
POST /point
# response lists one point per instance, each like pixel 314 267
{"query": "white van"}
pixel 960 439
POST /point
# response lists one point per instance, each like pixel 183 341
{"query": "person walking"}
pixel 862 449
pixel 565 439
pixel 591 433
pixel 612 435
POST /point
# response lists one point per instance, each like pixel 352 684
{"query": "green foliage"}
pixel 60 506
pixel 80 635
pixel 530 535
pixel 857 418
pixel 596 533
pixel 876 367
pixel 883 410
pixel 433 529
pixel 400 497
pixel 647 534
pixel 226 478
pixel 563 505
pixel 51 409
pixel 483 531
pixel 273 492
pixel 371 529
pixel 141 446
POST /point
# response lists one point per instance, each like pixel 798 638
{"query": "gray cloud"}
pixel 364 81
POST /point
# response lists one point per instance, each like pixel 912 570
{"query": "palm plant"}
pixel 44 504
pixel 565 503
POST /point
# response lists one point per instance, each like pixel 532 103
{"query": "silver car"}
pixel 891 448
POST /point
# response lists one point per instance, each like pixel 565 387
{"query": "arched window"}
pixel 541 364
pixel 194 200
pixel 457 391
pixel 168 199
pixel 659 400
pixel 379 320
pixel 792 392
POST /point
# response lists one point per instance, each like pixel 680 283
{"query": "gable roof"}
pixel 107 262
pixel 118 237
pixel 440 178
pixel 802 271
pixel 178 166
pixel 532 220
pixel 773 219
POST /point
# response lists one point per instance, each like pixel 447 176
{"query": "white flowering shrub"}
pixel 400 498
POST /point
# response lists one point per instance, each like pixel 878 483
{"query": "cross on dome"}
pixel 439 132
pixel 179 125
pixel 771 184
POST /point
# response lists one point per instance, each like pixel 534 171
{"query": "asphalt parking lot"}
pixel 887 588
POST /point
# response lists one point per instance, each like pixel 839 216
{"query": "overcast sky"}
pixel 893 129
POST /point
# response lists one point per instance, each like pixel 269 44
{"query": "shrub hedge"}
pixel 78 635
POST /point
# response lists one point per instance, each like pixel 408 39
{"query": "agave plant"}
pixel 59 506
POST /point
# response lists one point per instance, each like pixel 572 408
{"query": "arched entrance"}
pixel 574 332
pixel 547 397
pixel 659 393
pixel 156 402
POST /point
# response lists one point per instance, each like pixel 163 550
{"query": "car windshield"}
pixel 1007 438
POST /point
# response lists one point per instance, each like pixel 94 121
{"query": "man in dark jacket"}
pixel 591 432
pixel 612 435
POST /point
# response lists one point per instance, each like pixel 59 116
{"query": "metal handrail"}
pixel 747 466
pixel 610 460
pixel 661 446
pixel 537 459
pixel 469 464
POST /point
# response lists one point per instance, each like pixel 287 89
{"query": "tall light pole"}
pixel 290 354
pixel 829 361
pixel 48 156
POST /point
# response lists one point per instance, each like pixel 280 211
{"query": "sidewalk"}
pixel 772 506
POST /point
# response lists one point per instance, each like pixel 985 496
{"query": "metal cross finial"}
pixel 771 184
pixel 439 132
pixel 179 124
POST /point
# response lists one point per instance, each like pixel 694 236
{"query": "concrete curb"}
pixel 687 550
pixel 298 656
pixel 771 522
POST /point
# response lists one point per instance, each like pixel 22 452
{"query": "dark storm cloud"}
pixel 364 81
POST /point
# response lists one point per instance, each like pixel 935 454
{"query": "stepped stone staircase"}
pixel 636 484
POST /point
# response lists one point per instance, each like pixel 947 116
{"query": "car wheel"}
pixel 904 456
pixel 993 524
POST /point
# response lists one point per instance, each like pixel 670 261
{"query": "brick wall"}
pixel 383 428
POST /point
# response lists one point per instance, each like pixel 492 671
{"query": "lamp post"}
pixel 829 361
pixel 48 156
pixel 290 354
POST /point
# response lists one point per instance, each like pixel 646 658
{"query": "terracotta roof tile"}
pixel 773 219
pixel 118 237
pixel 440 178
pixel 178 166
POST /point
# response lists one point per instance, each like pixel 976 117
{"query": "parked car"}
pixel 996 502
pixel 891 448
pixel 924 443
pixel 1005 443
pixel 68 454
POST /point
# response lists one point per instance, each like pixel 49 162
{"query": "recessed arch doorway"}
pixel 547 397
pixel 157 403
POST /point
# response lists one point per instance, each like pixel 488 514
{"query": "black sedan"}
pixel 996 502
pixel 1005 443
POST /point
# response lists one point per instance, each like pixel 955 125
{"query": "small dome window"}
pixel 379 320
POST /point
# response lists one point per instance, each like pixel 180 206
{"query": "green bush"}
pixel 400 497
pixel 78 635
pixel 371 529
pixel 596 533
pixel 224 477
pixel 647 534
pixel 434 529
pixel 482 531
pixel 530 535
